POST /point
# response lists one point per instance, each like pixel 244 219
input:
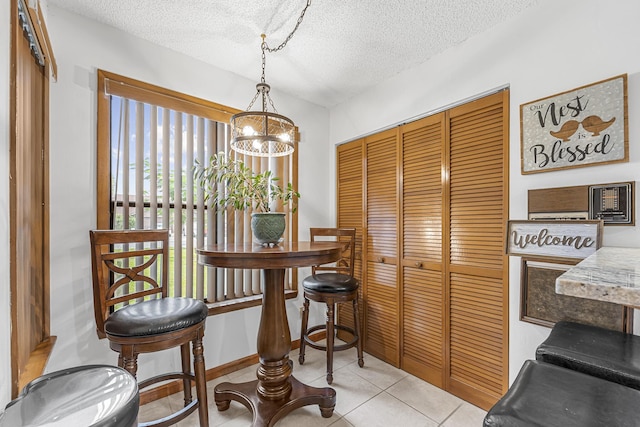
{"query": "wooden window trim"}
pixel 113 84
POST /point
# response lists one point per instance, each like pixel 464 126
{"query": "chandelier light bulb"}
pixel 284 137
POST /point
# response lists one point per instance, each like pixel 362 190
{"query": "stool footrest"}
pixel 173 418
pixel 165 377
pixel 347 345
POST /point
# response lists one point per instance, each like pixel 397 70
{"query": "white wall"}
pixel 81 47
pixel 5 318
pixel 553 47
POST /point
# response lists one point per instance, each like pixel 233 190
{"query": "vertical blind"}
pixel 153 150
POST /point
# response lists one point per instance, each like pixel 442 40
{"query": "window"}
pixel 149 140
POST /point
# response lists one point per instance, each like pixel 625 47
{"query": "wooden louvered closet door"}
pixel 476 272
pixel 350 187
pixel 421 249
pixel 381 336
pixel 435 279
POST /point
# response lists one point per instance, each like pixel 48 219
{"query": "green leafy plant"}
pixel 231 183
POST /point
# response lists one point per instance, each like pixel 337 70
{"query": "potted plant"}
pixel 232 184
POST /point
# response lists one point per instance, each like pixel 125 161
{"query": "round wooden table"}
pixel 276 392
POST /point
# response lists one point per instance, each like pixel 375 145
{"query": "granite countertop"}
pixel 611 274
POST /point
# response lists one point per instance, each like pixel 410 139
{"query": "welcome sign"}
pixel 562 239
pixel 577 128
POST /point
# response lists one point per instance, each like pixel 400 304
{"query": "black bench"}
pixel 603 353
pixel 545 395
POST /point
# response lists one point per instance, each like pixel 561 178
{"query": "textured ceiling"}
pixel 342 47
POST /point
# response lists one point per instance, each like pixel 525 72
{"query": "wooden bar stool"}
pixel 332 284
pixel 133 311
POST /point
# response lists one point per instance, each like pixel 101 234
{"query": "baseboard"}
pixel 176 386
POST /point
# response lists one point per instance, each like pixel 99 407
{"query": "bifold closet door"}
pixel 476 273
pixel 350 188
pixel 381 337
pixel 434 197
pixel 422 283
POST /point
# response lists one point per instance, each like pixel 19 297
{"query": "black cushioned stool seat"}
pixel 87 396
pixel 603 353
pixel 157 316
pixel 546 395
pixel 330 282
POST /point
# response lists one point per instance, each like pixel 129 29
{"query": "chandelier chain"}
pixel 271 103
pixel 284 43
pixel 265 48
pixel 253 100
pixel 265 134
pixel 264 58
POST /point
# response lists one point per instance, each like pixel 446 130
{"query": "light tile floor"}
pixel 376 395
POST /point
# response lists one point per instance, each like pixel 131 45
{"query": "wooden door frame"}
pixel 20 375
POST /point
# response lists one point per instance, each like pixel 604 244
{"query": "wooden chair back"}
pixel 347 236
pixel 128 266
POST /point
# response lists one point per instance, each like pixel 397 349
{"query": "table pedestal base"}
pixel 268 412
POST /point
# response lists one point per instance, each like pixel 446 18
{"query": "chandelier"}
pixel 265 133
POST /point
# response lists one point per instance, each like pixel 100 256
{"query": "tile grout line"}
pixel 382 390
pixel 405 403
pixel 451 414
pixel 372 397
